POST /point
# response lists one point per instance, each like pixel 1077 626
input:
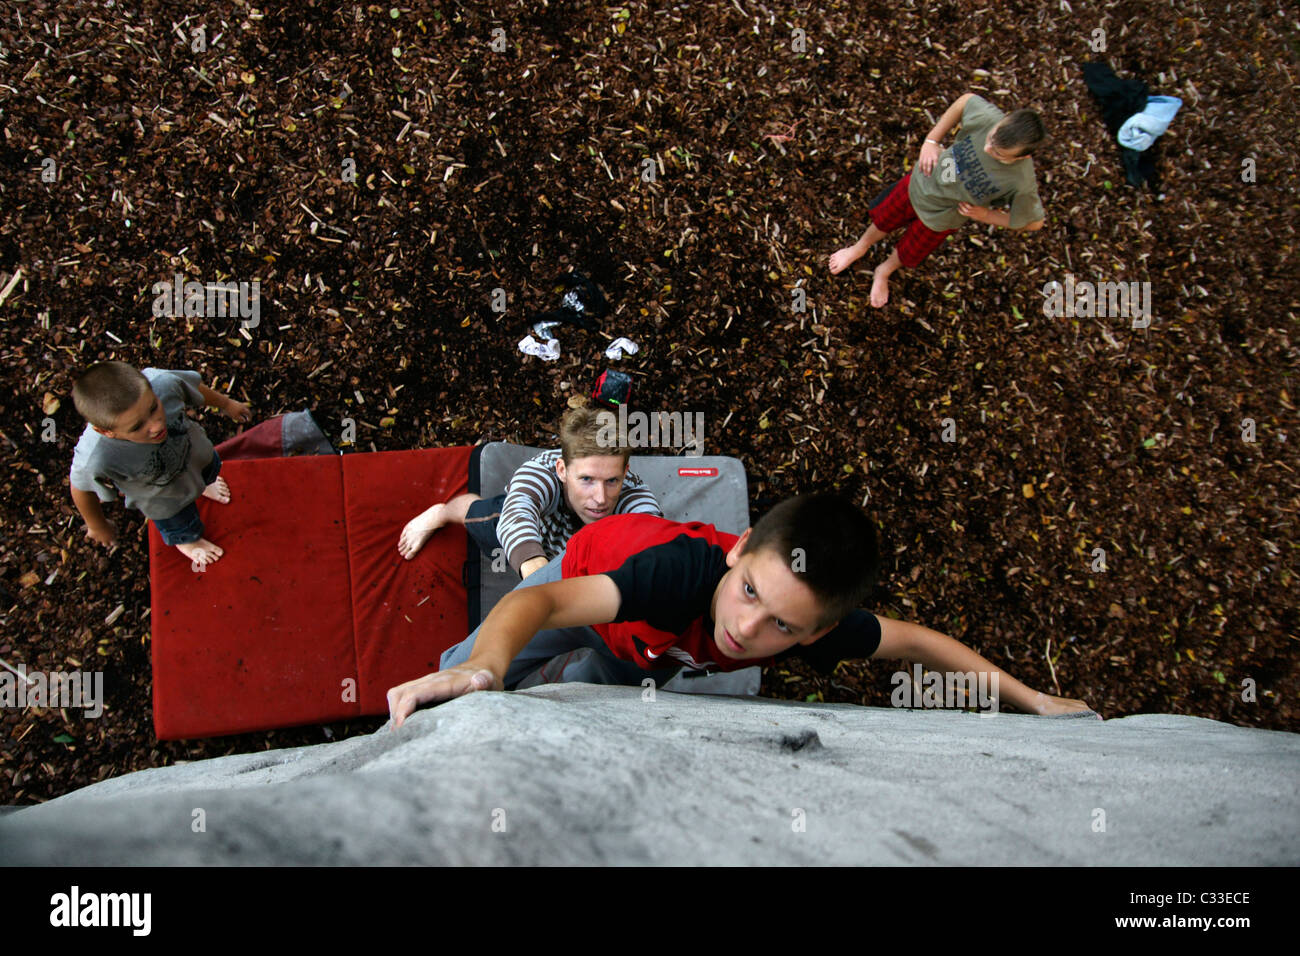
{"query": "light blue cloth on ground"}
pixel 1141 129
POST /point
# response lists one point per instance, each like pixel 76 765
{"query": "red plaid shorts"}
pixel 894 212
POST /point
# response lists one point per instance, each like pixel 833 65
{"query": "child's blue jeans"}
pixel 185 527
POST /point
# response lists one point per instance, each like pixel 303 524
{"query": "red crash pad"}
pixel 404 613
pixel 311 614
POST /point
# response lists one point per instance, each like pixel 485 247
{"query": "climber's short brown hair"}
pixel 829 542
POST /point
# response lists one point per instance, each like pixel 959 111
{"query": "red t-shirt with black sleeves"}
pixel 666 572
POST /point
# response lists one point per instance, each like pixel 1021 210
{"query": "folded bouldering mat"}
pixel 283 436
pixel 311 614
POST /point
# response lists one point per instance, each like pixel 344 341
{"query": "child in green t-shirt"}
pixel 988 164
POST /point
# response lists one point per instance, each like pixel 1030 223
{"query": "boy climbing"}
pixel 635 597
pixel 988 164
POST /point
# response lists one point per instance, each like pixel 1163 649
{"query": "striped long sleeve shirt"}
pixel 536 520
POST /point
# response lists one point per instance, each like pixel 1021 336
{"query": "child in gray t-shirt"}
pixel 139 442
pixel 988 165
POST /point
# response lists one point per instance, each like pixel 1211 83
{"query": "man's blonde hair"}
pixel 579 433
pixel 106 390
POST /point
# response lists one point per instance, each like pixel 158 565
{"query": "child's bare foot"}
pixel 218 491
pixel 844 258
pixel 880 287
pixel 201 553
pixel 418 530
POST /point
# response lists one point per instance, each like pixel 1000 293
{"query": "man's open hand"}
pixel 435 688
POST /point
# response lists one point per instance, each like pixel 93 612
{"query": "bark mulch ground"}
pixel 478 169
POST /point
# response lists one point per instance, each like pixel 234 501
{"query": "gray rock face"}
pixel 579 774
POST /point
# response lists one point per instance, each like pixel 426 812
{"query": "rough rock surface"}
pixel 575 773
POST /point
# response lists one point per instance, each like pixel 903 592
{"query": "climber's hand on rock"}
pixel 1046 705
pixel 434 688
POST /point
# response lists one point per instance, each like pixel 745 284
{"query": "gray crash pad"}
pixel 579 774
pixel 708 488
